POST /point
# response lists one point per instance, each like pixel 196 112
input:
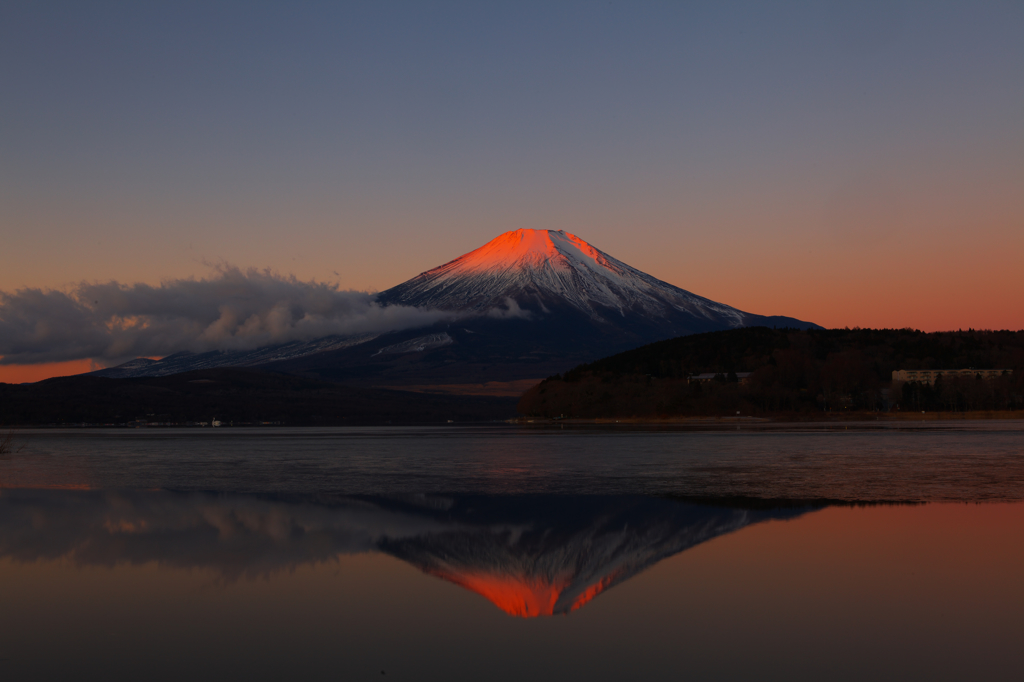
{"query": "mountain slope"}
pixel 187 361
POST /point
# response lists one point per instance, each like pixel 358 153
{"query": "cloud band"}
pixel 232 310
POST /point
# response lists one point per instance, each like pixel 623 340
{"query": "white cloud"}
pixel 232 310
pixel 511 310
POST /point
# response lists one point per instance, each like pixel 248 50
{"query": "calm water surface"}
pixel 512 553
pixel 965 461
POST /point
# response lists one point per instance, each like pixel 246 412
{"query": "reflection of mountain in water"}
pixel 535 556
pixel 529 555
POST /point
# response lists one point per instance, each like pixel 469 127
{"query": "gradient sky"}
pixel 853 164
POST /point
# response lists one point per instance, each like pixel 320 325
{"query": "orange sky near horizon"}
pixel 896 280
pixel 26 374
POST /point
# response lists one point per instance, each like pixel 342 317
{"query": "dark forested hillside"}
pixel 791 371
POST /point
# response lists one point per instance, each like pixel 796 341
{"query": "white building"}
pixel 928 376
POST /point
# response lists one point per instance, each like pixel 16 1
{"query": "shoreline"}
pixel 832 418
pixel 862 419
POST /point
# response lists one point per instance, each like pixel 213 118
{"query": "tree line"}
pixel 796 371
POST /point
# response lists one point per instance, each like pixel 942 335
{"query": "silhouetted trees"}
pixel 791 371
pixel 961 393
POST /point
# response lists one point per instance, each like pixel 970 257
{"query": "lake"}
pixel 854 551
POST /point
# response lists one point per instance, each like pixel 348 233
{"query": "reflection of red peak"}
pixel 514 596
pixel 545 555
pixel 525 596
pixel 592 591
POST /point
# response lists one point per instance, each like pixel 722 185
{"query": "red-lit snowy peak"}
pixel 533 270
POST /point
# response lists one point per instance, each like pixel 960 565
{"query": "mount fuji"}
pixel 530 273
pixel 528 304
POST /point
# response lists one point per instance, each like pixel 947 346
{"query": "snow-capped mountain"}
pixel 528 304
pixel 528 272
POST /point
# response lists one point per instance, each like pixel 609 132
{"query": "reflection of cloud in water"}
pixel 529 555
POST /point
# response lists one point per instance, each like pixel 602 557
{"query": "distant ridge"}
pixel 233 395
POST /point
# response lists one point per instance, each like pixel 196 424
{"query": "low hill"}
pixel 790 371
pixel 232 395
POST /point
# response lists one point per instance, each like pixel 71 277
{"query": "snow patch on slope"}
pixel 420 343
pixel 187 361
